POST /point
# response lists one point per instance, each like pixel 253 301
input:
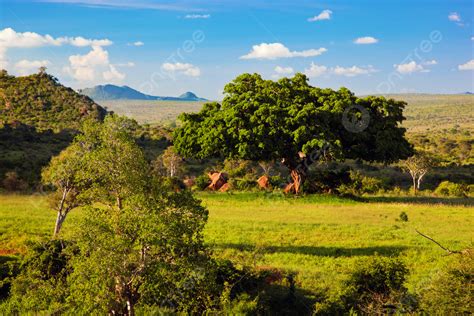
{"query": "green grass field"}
pixel 320 238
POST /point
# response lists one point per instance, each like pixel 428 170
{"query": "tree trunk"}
pixel 298 177
pixel 59 223
pixel 414 184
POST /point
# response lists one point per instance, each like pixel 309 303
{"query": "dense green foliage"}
pixel 41 101
pixel 137 245
pixel 289 120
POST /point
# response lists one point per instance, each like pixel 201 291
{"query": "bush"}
pixel 13 183
pixel 326 181
pixel 277 182
pixel 447 188
pixel 243 184
pixel 360 184
pixel 375 287
pixel 202 182
pixel 450 291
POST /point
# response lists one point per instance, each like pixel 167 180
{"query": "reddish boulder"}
pixel 263 182
pixel 226 187
pixel 218 179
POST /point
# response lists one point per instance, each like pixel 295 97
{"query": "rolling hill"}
pixel 112 92
pixel 40 101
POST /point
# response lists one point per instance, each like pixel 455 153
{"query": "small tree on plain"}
pixel 418 166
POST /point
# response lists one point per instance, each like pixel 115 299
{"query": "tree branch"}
pixel 449 251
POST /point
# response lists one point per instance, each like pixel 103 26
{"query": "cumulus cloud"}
pixel 366 40
pixel 9 38
pixel 455 17
pixel 283 70
pixel 137 43
pixel 129 64
pixel 467 66
pixel 318 70
pixel 93 66
pixel 430 62
pixel 84 42
pixel 315 70
pixel 278 50
pixel 112 74
pixel 324 15
pixel 182 68
pixel 26 67
pixel 353 71
pixel 197 16
pixel 408 68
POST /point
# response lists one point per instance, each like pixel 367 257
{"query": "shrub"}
pixel 202 182
pixel 277 181
pixel 360 184
pixel 403 217
pixel 375 287
pixel 447 188
pixel 13 183
pixel 450 291
pixel 326 181
pixel 243 184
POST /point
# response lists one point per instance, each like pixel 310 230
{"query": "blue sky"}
pixel 169 47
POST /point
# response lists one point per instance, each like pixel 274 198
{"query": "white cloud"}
pixel 467 66
pixel 9 38
pixel 472 38
pixel 113 74
pixel 454 16
pixel 129 64
pixel 315 70
pixel 83 42
pixel 283 70
pixel 324 15
pixel 319 70
pixel 353 71
pixel 197 16
pixel 26 67
pixel 430 62
pixel 137 43
pixel 366 40
pixel 93 66
pixel 278 50
pixel 408 67
pixel 182 68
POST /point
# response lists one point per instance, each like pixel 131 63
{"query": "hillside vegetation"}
pixel 40 101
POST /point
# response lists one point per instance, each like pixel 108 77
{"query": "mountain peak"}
pixel 113 92
pixel 188 95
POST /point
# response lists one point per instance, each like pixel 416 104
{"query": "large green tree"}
pixel 137 244
pixel 289 120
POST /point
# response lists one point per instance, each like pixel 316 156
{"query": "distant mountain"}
pixel 112 92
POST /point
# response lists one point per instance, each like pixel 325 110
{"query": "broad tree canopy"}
pixel 288 119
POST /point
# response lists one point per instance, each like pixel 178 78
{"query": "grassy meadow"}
pixel 319 238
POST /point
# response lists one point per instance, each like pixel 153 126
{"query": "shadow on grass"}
pixel 317 251
pixel 420 200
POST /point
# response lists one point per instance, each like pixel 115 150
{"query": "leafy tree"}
pixel 138 245
pixel 169 164
pixel 66 173
pixel 418 166
pixel 102 161
pixel 291 121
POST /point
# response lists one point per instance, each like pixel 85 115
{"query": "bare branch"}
pixel 449 251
